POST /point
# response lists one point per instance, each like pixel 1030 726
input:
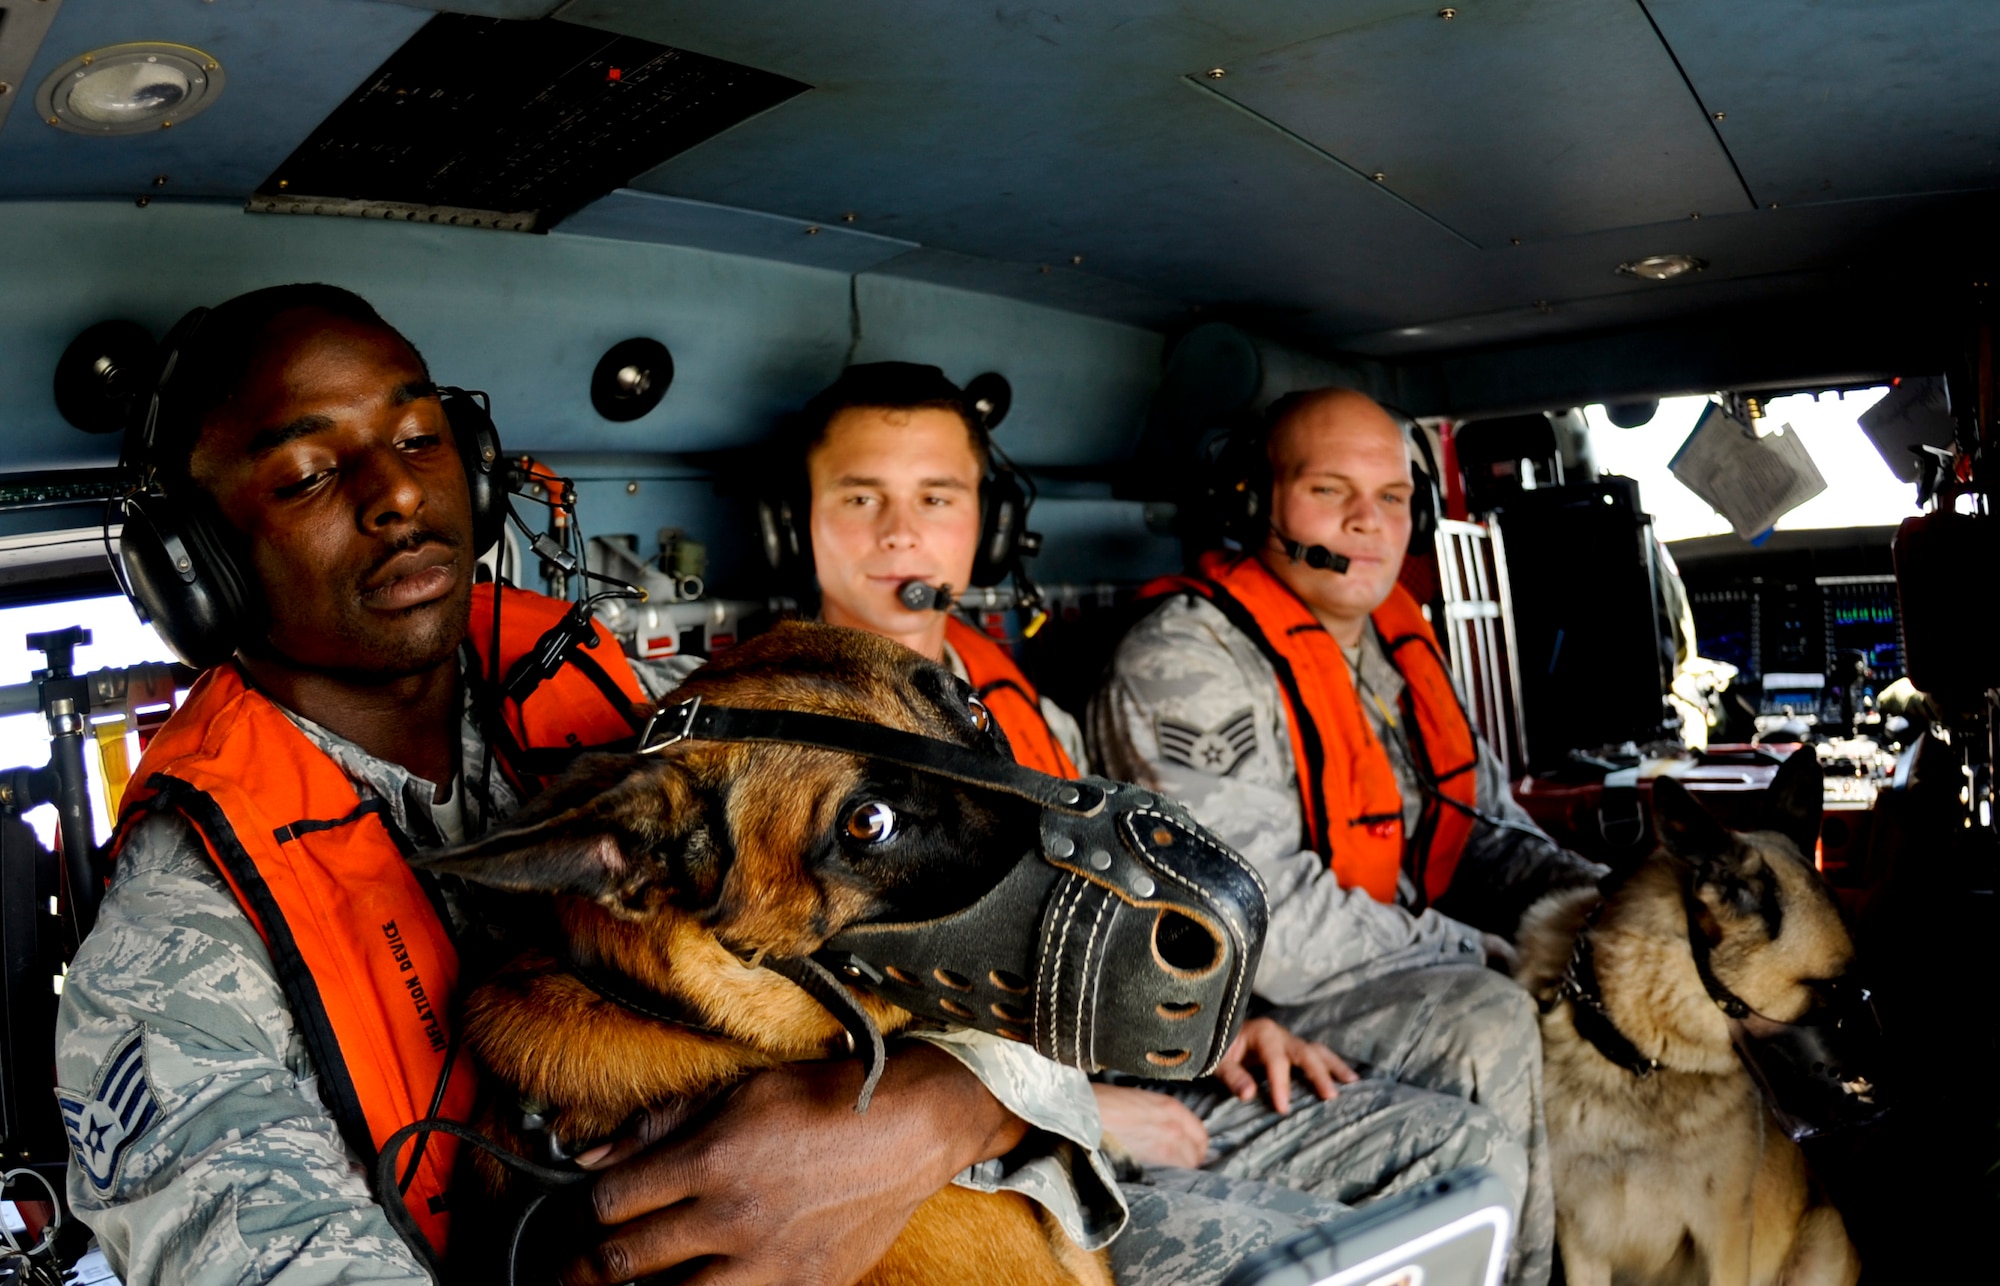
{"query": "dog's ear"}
pixel 1796 799
pixel 631 839
pixel 1684 826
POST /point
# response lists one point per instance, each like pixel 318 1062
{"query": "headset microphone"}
pixel 1318 556
pixel 919 597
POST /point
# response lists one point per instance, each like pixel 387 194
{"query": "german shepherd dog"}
pixel 1668 1166
pixel 682 870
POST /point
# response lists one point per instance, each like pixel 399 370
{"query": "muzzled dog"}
pixel 694 885
pixel 1697 1018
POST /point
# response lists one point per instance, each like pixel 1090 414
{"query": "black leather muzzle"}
pixel 1128 942
pixel 1819 1074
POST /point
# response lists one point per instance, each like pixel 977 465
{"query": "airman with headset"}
pixel 268 991
pixel 1290 692
pixel 892 502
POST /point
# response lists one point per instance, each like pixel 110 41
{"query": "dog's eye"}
pixel 982 718
pixel 872 823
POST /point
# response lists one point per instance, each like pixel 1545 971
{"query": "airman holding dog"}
pixel 269 987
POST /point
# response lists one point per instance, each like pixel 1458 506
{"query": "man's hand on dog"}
pixel 1264 1041
pixel 1154 1129
pixel 784 1181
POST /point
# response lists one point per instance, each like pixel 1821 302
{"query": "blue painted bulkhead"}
pixel 526 318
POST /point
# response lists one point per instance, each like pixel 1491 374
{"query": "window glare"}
pixel 1860 490
pixel 117 639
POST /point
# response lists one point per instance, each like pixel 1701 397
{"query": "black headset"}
pixel 784 519
pixel 1237 487
pixel 183 565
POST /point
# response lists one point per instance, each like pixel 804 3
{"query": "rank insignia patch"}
pixel 1219 750
pixel 117 1112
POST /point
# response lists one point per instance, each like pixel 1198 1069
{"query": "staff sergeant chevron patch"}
pixel 1219 750
pixel 118 1112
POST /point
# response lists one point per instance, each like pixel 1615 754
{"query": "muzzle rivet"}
pixel 1100 860
pixel 1068 795
pixel 1143 886
pixel 1062 846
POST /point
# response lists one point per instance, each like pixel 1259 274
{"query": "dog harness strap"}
pixel 695 720
pixel 1587 1010
pixel 863 1035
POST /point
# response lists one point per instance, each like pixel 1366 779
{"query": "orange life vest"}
pixel 1012 699
pixel 1348 795
pixel 360 948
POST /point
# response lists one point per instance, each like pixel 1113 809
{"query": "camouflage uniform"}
pixel 203 1152
pixel 1192 709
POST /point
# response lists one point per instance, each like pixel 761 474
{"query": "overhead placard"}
pixel 1750 479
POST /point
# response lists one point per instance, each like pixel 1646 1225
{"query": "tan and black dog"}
pixel 681 870
pixel 1668 1166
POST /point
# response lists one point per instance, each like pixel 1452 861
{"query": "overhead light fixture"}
pixel 1661 267
pixel 128 89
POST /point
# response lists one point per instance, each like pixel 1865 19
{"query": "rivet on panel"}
pixel 1513 241
pixel 1215 73
pixel 283 184
pixel 5 87
pixel 1076 260
pixel 631 488
pixel 813 231
pixel 159 180
pixel 1721 115
pixel 142 201
pixel 1447 14
pixel 1695 215
pixel 1379 177
pixel 848 217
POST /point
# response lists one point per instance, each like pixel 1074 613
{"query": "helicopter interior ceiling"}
pixel 1444 191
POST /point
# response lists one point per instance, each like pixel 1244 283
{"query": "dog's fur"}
pixel 1681 1176
pixel 682 869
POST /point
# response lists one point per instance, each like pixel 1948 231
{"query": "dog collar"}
pixel 1588 1013
pixel 692 720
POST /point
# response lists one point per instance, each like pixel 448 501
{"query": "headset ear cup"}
pixel 478 445
pixel 1002 512
pixel 183 580
pixel 1424 499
